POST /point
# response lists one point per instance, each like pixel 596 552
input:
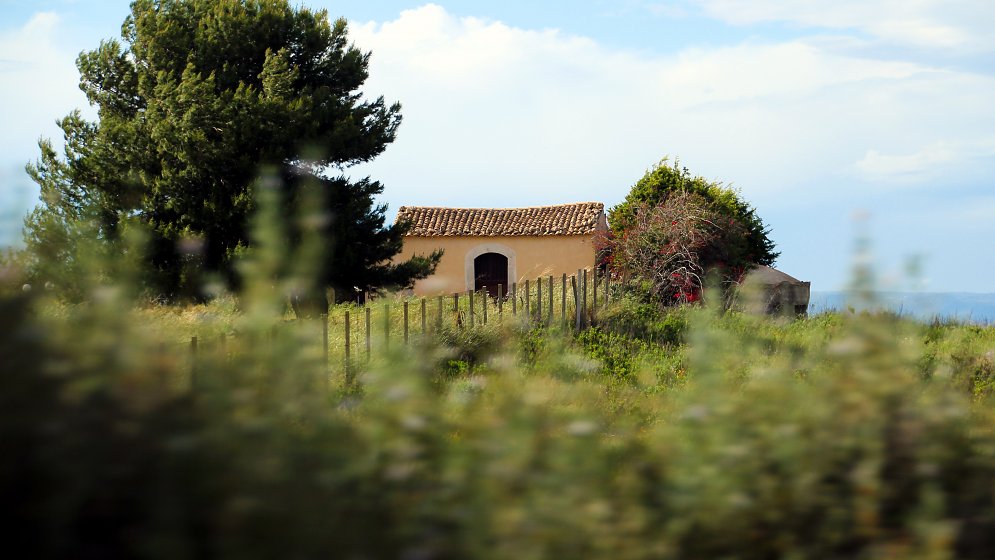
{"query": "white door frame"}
pixel 490 248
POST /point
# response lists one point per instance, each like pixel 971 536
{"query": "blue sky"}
pixel 817 111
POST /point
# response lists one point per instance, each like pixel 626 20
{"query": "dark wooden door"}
pixel 489 271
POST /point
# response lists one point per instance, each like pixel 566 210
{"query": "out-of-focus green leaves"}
pixel 683 434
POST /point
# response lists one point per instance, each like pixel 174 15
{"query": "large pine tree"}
pixel 198 96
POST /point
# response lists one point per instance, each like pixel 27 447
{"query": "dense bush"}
pixel 666 179
pixel 673 247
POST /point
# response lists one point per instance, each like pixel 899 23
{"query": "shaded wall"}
pixel 782 298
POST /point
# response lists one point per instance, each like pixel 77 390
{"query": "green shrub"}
pixel 635 315
pixel 617 354
pixel 532 345
pixel 466 348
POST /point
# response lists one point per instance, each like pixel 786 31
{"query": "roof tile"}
pixel 564 219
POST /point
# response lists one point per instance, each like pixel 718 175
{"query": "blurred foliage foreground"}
pixel 677 435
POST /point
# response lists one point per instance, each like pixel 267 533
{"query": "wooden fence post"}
pixel 500 302
pixel 348 324
pixel 368 345
pixel 423 321
pixel 456 310
pixel 485 298
pixel 405 321
pixel 549 316
pixel 563 301
pixel 471 307
pixel 528 306
pixel 514 298
pixel 594 292
pixel 438 320
pixel 539 300
pixel 575 281
pixel 584 316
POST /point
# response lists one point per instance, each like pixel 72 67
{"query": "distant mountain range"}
pixel 963 306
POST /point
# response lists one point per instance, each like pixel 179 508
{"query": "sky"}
pixel 835 119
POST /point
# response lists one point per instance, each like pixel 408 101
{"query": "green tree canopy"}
pixel 191 102
pixel 665 179
pixel 359 258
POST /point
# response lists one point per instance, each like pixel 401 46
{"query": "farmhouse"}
pixel 488 247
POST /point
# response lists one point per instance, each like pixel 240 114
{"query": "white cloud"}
pixel 40 84
pixel 500 115
pixel 905 167
pixel 929 163
pixel 962 25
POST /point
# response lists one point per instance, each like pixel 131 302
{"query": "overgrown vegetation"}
pixel 658 434
pixel 667 180
pixel 672 247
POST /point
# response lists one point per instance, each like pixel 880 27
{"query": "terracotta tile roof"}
pixel 564 219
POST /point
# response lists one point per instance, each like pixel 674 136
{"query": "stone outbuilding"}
pixel 491 247
pixel 768 290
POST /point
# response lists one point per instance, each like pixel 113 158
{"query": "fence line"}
pixel 464 315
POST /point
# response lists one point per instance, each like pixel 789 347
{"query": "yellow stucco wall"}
pixel 530 257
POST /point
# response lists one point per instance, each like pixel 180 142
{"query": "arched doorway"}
pixel 490 270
